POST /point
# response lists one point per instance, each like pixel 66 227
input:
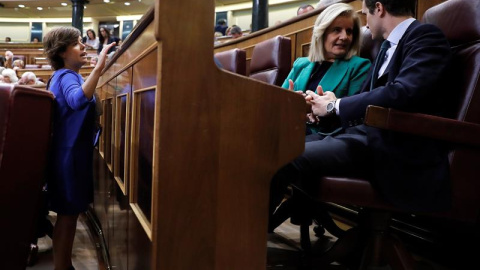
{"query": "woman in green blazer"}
pixel 332 62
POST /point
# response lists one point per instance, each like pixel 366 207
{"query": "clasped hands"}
pixel 316 102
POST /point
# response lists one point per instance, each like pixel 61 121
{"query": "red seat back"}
pixel 234 60
pixel 25 132
pixel 271 60
pixel 460 22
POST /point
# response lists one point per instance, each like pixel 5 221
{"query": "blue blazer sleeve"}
pixel 72 90
pixel 413 73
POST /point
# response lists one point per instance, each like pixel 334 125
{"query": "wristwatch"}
pixel 331 107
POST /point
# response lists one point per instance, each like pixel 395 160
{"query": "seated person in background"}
pixel 304 9
pixel 35 40
pixel 91 41
pixel 8 39
pixel 104 39
pixel 93 61
pixel 29 78
pixel 1 79
pixel 221 26
pixel 332 62
pixel 236 32
pixel 8 59
pixel 18 64
pixel 324 3
pixel 409 171
pixel 9 75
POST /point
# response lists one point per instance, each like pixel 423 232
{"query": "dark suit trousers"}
pixel 342 154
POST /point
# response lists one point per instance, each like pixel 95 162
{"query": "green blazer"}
pixel 344 77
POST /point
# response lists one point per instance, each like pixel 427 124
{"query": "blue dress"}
pixel 70 183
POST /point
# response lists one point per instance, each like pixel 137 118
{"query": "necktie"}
pixel 378 62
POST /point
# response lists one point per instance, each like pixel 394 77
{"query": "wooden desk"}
pixel 45 74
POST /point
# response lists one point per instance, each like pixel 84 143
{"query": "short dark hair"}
pixel 57 41
pixel 222 21
pixel 235 30
pixel 394 7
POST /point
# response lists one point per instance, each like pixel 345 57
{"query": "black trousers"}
pixel 343 154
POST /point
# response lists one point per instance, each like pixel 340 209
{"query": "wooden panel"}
pixel 45 73
pixel 121 140
pixel 216 149
pixel 107 134
pixel 139 246
pixel 119 238
pixel 142 145
pixel 201 155
pixel 123 90
pixel 145 71
pixel 423 5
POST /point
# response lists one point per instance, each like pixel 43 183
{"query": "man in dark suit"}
pixel 409 171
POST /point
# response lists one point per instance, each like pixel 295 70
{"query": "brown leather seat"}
pixel 459 20
pixel 271 60
pixel 369 47
pixel 25 132
pixel 234 60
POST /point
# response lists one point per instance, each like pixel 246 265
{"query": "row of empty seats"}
pixel 270 60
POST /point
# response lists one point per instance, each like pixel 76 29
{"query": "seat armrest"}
pixel 430 126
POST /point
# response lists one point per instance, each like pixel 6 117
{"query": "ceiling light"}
pixel 21 6
pixel 106 1
pixel 39 8
pixel 127 4
pixel 64 4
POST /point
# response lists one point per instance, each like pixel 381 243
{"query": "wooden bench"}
pixel 45 72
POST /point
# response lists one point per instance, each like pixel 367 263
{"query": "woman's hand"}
pixel 102 57
pixel 319 102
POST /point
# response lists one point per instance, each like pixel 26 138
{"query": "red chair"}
pixel 459 20
pixel 25 132
pixel 271 60
pixel 234 60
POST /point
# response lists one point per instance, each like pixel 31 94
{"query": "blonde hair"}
pixel 11 74
pixel 316 53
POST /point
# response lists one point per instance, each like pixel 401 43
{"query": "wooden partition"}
pixel 46 73
pixel 188 150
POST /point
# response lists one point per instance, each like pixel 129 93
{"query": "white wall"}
pixel 278 10
pixel 17 31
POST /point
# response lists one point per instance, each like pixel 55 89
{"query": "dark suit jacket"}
pixel 411 172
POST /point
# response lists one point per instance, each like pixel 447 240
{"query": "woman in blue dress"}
pixel 71 181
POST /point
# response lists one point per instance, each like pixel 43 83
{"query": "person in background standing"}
pixel 91 41
pixel 105 38
pixel 221 26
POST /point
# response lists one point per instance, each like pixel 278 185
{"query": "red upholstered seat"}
pixel 25 132
pixel 234 60
pixel 271 60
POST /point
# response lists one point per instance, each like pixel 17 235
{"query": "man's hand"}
pixel 319 102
